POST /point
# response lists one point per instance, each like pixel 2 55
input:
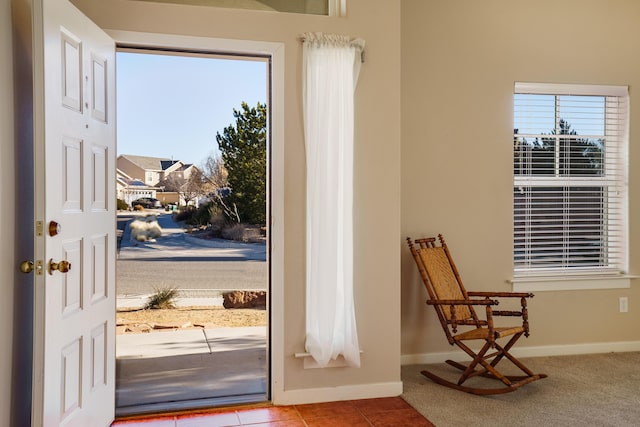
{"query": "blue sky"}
pixel 173 106
pixel 536 113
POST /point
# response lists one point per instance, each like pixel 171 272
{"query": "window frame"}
pixel 571 278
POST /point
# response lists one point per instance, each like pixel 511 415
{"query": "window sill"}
pixel 571 283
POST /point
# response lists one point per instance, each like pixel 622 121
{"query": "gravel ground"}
pixel 145 321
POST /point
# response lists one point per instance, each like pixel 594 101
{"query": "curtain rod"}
pixel 356 42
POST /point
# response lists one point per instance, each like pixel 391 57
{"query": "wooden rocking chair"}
pixel 455 307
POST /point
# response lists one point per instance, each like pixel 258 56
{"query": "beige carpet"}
pixel 585 390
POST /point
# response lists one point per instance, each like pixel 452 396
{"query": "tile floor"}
pixel 383 412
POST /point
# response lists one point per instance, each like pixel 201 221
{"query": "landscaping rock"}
pixel 138 328
pixel 163 326
pixel 244 299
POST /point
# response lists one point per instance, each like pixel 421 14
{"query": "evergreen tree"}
pixel 243 148
pixel 576 156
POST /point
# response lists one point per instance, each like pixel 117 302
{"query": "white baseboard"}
pixel 332 394
pixel 547 350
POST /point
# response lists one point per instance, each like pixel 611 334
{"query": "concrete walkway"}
pixel 166 368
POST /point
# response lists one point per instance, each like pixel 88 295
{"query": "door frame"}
pixel 275 161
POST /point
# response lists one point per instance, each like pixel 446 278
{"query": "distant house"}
pixel 143 176
pixel 149 170
pixel 130 189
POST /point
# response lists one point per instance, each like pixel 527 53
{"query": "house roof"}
pixel 166 164
pixel 150 163
pixel 121 175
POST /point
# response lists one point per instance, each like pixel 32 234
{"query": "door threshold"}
pixel 189 405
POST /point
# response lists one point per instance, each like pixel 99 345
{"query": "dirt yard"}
pixel 145 321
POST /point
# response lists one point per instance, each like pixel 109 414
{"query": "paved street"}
pixel 193 265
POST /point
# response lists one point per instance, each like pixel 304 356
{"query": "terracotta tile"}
pixel 326 409
pixel 383 412
pixel 154 422
pixel 287 423
pixel 372 406
pixel 399 418
pixel 338 421
pixel 223 419
pixel 262 415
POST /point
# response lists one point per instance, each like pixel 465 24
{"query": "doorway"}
pixel 186 356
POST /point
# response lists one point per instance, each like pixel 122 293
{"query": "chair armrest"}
pixel 452 303
pixel 501 294
pixel 523 303
pixel 463 302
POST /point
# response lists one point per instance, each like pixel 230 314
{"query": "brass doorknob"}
pixel 26 266
pixel 62 266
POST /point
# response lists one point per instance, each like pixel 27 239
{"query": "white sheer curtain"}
pixel 331 64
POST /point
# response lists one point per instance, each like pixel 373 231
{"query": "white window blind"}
pixel 570 185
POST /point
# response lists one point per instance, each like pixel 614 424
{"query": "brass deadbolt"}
pixel 54 228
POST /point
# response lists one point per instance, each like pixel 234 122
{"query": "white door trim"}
pixel 275 189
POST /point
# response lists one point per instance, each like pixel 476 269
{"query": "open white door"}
pixel 74 331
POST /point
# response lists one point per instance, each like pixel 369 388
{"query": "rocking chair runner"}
pixel 455 307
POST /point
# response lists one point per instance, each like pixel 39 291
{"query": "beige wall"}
pixel 377 165
pixel 7 212
pixel 459 64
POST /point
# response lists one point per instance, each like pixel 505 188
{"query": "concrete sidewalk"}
pixel 189 341
pixel 189 298
pixel 187 365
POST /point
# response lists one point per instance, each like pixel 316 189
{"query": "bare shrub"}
pixel 243 233
pixel 253 235
pixel 234 232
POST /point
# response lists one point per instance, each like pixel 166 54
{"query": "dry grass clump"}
pixel 146 229
pixel 234 232
pixel 242 233
pixel 161 299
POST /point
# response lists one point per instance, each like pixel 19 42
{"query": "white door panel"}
pixel 74 361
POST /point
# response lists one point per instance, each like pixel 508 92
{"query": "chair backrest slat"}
pixel 444 281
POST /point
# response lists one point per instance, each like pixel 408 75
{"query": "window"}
pixel 569 185
pixel 311 7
